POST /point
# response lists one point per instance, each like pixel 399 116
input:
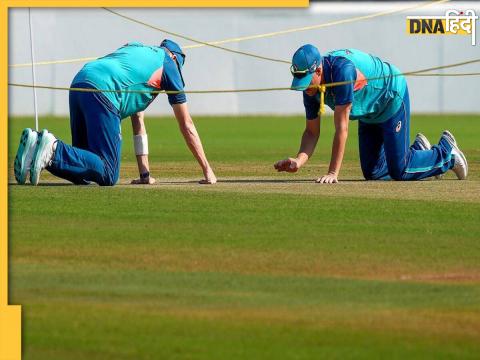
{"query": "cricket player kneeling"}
pixel 129 75
pixel 375 93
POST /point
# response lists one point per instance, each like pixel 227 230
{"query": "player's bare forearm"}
pixel 338 150
pixel 341 118
pixel 309 141
pixel 190 134
pixel 307 147
pixel 138 128
pixel 194 143
pixel 142 163
pixel 138 123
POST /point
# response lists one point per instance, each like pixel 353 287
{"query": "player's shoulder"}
pixel 338 58
pixel 172 81
pixel 170 67
pixel 141 49
pixel 171 74
pixel 338 67
pixel 133 44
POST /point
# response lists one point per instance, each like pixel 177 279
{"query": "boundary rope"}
pixel 195 40
pixel 442 74
pixel 319 26
pixel 409 73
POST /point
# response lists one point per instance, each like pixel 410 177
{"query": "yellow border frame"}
pixel 158 3
pixel 10 315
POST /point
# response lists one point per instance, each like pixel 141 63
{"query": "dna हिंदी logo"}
pixel 455 22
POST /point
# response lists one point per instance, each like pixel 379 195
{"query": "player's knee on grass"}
pixel 373 174
pixel 376 177
pixel 397 177
pixel 108 181
pixel 396 171
pixel 368 176
pixel 111 175
pixel 80 182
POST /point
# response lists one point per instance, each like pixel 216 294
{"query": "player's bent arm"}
pixel 309 141
pixel 307 147
pixel 341 118
pixel 140 141
pixel 193 141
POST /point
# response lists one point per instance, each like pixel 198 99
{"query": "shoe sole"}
pixel 461 154
pixel 35 170
pixel 453 142
pixel 23 159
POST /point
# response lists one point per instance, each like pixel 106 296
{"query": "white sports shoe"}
pixel 449 137
pixel 424 144
pixel 23 159
pixel 46 146
pixel 460 168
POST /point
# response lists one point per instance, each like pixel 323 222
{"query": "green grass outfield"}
pixel 261 265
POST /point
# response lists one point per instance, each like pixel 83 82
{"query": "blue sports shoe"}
pixel 23 159
pixel 43 155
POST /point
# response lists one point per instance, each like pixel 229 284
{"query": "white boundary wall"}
pixel 76 33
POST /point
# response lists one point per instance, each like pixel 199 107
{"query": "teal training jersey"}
pixel 134 66
pixel 376 91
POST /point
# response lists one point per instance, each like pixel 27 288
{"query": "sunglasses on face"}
pixel 301 73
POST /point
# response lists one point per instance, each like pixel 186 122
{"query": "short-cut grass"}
pixel 260 266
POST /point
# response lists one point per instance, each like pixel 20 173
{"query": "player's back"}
pixel 385 86
pixel 127 69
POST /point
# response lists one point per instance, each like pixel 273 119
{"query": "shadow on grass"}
pixel 254 181
pixel 225 181
pixel 265 181
pixel 293 181
pixel 44 184
pixel 280 181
